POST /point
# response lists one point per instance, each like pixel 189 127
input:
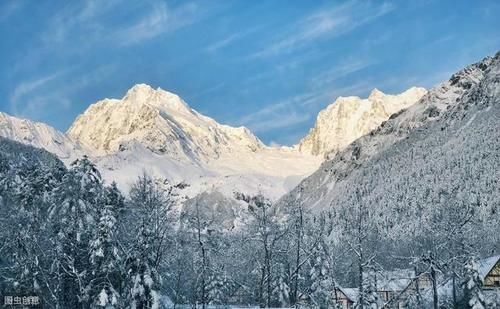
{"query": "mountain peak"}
pixel 139 91
pixel 349 118
pixel 159 121
pixel 145 94
pixel 376 94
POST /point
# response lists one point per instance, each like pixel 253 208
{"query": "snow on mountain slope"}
pixel 162 122
pixel 155 131
pixel 39 135
pixel 441 153
pixel 349 118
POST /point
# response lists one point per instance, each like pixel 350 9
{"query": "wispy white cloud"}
pixel 26 88
pixel 283 114
pixel 206 91
pixel 326 23
pixel 86 22
pixel 297 109
pixel 77 20
pixel 32 98
pixel 283 121
pixel 222 43
pixel 158 20
pixel 229 39
pixel 344 69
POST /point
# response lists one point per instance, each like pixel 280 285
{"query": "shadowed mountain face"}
pixel 14 153
pixel 423 164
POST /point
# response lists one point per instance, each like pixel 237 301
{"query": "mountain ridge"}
pixel 155 131
pixel 451 107
pixel 348 118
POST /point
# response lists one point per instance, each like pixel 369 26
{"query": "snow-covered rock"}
pixel 349 118
pixel 160 121
pixel 38 135
pixel 155 131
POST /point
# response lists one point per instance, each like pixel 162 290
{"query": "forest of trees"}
pixel 76 242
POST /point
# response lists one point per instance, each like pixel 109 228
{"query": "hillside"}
pixel 424 164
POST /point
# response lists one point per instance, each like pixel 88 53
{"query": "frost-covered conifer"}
pixel 322 284
pixel 74 216
pixel 472 286
pixel 105 256
pixel 150 206
pixel 217 288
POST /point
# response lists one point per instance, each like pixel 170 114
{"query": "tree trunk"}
pixel 434 288
pixel 268 266
pixel 454 293
pixel 297 258
pixel 361 292
pixel 203 260
pixel 261 286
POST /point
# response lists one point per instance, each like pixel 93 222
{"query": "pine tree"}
pixel 322 284
pixel 281 288
pixel 150 206
pixel 370 298
pixel 217 289
pixel 29 195
pixel 105 255
pixel 472 285
pixel 74 216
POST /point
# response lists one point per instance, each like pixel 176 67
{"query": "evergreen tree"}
pixel 150 208
pixel 217 289
pixel 73 216
pixel 472 286
pixel 322 283
pixel 29 195
pixel 370 298
pixel 105 255
pixel 281 288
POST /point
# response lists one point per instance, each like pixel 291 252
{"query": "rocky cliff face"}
pixel 162 122
pixel 349 118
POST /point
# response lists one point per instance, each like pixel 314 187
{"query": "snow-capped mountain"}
pixel 155 131
pixel 349 118
pixel 437 157
pixel 39 135
pixel 160 121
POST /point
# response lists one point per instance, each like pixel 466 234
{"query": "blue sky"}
pixel 268 65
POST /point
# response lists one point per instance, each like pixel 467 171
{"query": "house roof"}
pixel 486 265
pixel 351 293
pixel 396 280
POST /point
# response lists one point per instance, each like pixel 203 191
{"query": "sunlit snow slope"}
pixel 155 131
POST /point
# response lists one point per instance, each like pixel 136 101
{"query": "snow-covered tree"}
pixel 281 287
pixel 322 281
pixel 217 288
pixel 473 294
pixel 105 255
pixel 148 237
pixel 268 233
pixel 74 217
pixel 370 298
